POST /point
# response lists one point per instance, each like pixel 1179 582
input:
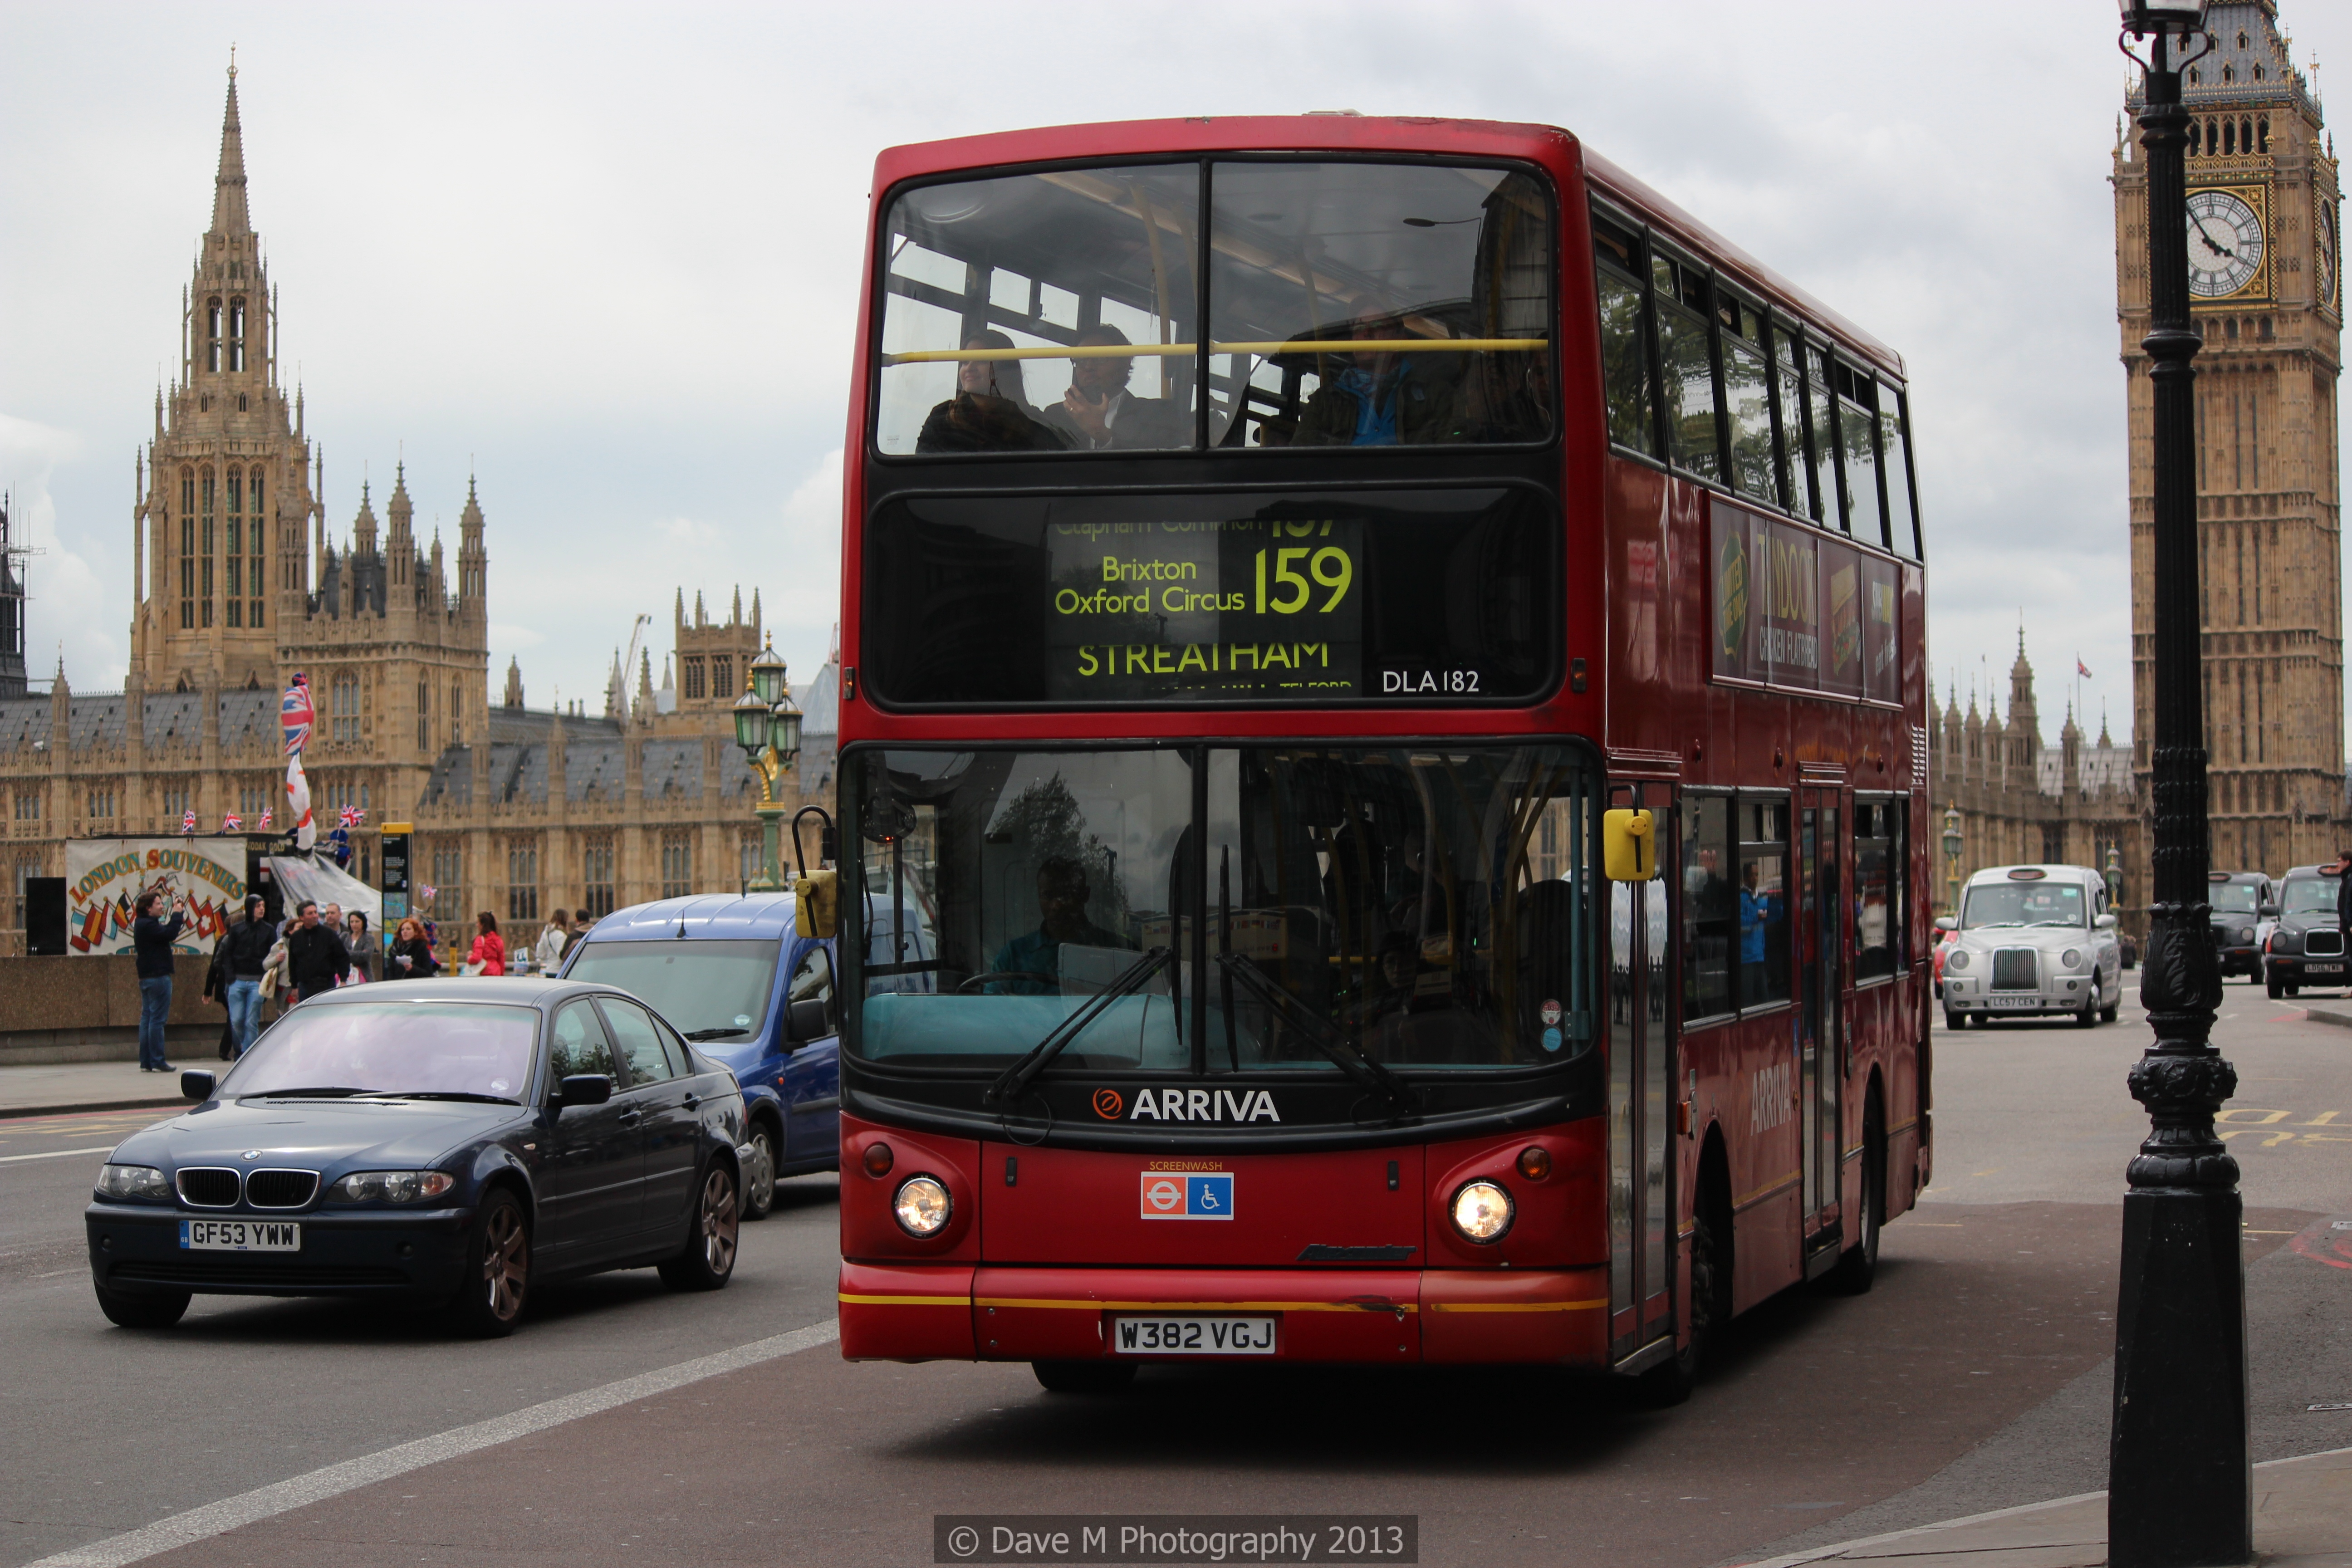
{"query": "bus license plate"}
pixel 1192 1336
pixel 2322 969
pixel 2013 1001
pixel 240 1235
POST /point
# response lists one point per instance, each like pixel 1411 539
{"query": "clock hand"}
pixel 2211 243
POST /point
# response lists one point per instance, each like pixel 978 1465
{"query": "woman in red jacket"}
pixel 490 948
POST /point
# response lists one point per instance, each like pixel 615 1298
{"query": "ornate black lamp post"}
pixel 2179 1492
pixel 1952 855
pixel 768 728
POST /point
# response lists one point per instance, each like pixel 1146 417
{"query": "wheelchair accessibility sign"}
pixel 1169 1194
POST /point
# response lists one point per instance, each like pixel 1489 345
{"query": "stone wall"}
pixel 83 1009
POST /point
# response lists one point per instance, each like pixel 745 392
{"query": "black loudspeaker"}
pixel 45 917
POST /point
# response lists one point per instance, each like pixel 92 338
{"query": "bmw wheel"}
pixel 708 1259
pixel 143 1310
pixel 497 1283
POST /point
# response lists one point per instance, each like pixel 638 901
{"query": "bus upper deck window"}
pixel 1624 344
pixel 1894 449
pixel 1788 443
pixel 1686 360
pixel 1747 397
pixel 1377 305
pixel 1009 302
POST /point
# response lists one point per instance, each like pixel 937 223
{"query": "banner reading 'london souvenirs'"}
pixel 104 878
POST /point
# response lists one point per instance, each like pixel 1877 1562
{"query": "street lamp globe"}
pixel 768 676
pixel 785 729
pixel 2181 18
pixel 1952 833
pixel 750 722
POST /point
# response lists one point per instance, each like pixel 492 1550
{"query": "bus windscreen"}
pixel 1442 595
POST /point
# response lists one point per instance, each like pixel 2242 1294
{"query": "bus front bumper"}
pixel 985 1312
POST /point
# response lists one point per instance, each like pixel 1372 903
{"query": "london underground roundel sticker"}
pixel 1164 1196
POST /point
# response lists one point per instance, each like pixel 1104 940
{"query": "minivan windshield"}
pixel 711 991
pixel 2024 904
pixel 1419 906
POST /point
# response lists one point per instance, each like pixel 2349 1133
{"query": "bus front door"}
pixel 1640 1081
pixel 1821 945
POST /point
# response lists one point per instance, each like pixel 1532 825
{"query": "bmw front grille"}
pixel 281 1189
pixel 208 1187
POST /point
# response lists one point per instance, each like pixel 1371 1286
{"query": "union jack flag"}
pixel 232 822
pixel 296 714
pixel 267 813
pixel 426 893
pixel 188 820
pixel 352 817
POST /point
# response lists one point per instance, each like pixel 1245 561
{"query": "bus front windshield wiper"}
pixel 1345 1050
pixel 1014 1080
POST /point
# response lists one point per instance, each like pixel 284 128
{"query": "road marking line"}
pixel 56 1154
pixel 333 1480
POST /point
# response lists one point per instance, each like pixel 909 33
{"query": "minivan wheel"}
pixel 760 1179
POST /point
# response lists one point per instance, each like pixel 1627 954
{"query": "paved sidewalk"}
pixel 2303 1518
pixel 2328 1010
pixel 93 1086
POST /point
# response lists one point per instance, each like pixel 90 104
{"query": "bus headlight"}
pixel 922 1205
pixel 1483 1212
pixel 1959 960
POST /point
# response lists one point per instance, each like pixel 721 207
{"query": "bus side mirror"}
pixel 816 904
pixel 1629 846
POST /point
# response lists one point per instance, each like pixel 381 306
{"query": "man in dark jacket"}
pixel 315 957
pixel 245 953
pixel 151 937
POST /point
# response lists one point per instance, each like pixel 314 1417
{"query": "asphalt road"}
pixel 1973 1377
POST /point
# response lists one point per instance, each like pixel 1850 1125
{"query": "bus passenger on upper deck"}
pixel 1098 411
pixel 1031 965
pixel 991 411
pixel 1386 398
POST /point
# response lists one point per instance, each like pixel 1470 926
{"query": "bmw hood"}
pixel 393 1134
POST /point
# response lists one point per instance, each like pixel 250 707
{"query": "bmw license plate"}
pixel 240 1235
pixel 2013 1001
pixel 2322 969
pixel 1192 1336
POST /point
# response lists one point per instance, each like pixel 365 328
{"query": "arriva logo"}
pixel 1202 1105
pixel 1772 1104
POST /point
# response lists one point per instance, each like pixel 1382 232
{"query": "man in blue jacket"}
pixel 151 939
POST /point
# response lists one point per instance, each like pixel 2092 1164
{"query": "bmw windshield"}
pixel 1218 909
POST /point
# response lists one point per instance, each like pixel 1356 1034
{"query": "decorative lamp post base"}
pixel 770 879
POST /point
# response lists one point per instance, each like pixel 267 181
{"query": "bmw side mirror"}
pixel 584 1088
pixel 197 1084
pixel 806 1021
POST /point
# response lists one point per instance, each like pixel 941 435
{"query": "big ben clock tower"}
pixel 2266 290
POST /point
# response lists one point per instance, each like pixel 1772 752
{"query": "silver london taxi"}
pixel 2034 941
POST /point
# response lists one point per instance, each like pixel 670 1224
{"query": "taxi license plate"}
pixel 240 1235
pixel 2323 968
pixel 2013 1001
pixel 1192 1336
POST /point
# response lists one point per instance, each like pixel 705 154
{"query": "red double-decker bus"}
pixel 1382 769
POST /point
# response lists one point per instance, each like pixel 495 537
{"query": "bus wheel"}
pixel 1858 1269
pixel 1671 1381
pixel 1084 1377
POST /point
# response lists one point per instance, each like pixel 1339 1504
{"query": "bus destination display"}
pixel 1346 597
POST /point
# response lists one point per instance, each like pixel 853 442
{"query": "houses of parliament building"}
pixel 238 584
pixel 2267 297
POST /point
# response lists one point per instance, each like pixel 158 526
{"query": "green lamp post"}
pixel 768 728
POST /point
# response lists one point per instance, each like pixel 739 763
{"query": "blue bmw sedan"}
pixel 454 1142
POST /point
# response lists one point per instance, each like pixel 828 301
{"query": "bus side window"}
pixel 1624 342
pixel 1895 448
pixel 1687 362
pixel 1858 450
pixel 1708 907
pixel 1829 502
pixel 1878 888
pixel 1794 467
pixel 1763 900
pixel 1747 396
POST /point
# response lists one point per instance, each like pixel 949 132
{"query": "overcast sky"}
pixel 606 260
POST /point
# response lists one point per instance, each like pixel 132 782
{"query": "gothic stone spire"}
pixel 229 215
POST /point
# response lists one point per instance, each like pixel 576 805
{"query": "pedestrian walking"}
pixel 247 945
pixel 412 954
pixel 316 957
pixel 217 990
pixel 363 949
pixel 488 955
pixel 151 937
pixel 553 939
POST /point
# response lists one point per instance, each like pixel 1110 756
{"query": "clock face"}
pixel 2325 260
pixel 2225 244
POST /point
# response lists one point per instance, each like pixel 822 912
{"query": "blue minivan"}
pixel 733 974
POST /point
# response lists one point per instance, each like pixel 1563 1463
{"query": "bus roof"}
pixel 1360 133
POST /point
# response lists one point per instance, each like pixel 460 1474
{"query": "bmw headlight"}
pixel 922 1205
pixel 1959 960
pixel 1483 1212
pixel 390 1186
pixel 143 1183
